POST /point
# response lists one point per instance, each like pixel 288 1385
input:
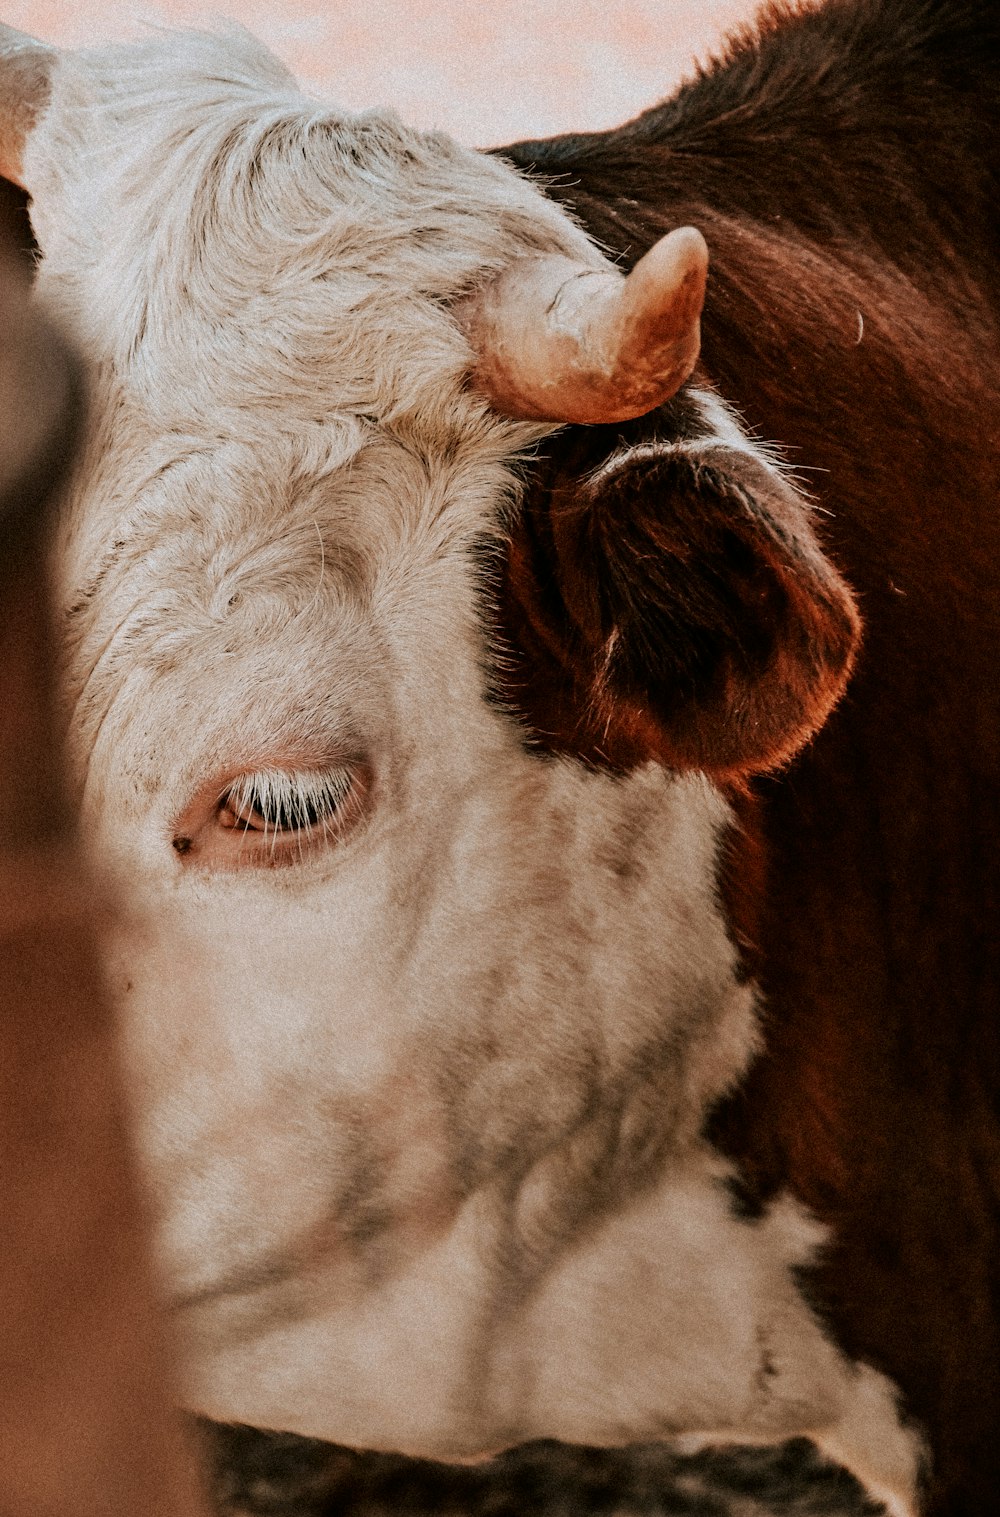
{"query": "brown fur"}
pixel 845 163
pixel 715 635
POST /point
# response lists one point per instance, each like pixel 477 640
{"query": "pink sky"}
pixel 486 70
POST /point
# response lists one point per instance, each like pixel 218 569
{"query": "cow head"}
pixel 399 718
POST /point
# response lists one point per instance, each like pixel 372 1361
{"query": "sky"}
pixel 488 71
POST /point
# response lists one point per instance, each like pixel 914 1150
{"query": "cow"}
pixel 547 765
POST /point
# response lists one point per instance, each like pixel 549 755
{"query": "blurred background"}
pixel 488 71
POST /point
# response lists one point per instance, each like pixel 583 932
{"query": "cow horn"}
pixel 25 69
pixel 560 341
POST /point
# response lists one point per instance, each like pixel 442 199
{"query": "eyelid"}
pixel 288 801
pixel 273 814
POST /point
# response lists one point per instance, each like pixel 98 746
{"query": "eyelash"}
pixel 285 803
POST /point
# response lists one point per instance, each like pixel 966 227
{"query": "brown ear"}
pixel 669 600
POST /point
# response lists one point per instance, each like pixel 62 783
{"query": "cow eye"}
pixel 271 816
pixel 273 802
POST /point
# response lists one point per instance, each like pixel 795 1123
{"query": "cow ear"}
pixel 666 597
pixel 25 70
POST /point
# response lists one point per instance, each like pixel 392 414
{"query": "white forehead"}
pixel 236 249
pixel 282 588
pixel 261 285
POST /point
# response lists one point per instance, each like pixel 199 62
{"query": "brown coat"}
pixel 844 168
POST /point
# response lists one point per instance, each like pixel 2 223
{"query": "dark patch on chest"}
pixel 260 1474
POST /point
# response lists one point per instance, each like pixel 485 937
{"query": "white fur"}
pixel 421 1113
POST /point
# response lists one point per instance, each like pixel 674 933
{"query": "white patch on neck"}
pixel 672 1320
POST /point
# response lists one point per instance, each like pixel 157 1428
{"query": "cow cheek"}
pixel 277 1105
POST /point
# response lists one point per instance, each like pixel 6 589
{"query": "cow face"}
pixel 422 1013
